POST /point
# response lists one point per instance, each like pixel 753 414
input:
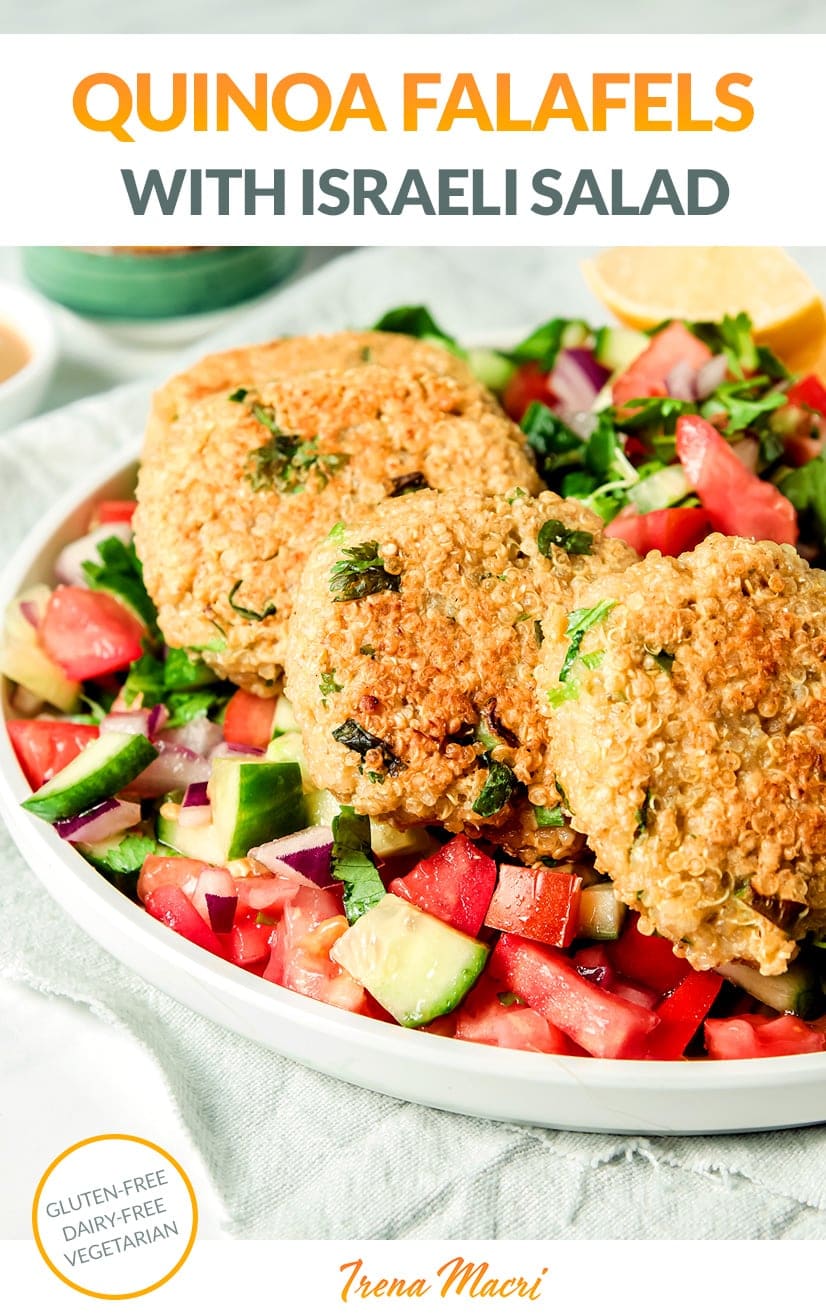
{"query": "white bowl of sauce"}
pixel 28 353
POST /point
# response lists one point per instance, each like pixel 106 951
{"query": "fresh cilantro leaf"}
pixel 654 412
pixel 743 403
pixel 497 791
pixel 417 322
pixel 544 344
pixel 580 622
pixel 352 864
pixel 180 671
pixel 187 687
pixel 247 613
pixel 360 741
pixel 361 572
pixel 554 445
pixel 553 817
pixel 284 461
pixel 121 863
pixel 732 338
pixel 239 395
pixel 185 705
pixel 119 573
pixel 806 490
pixel 555 533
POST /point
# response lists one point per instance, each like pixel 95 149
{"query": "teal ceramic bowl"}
pixel 124 285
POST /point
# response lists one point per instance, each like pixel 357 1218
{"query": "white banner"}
pixel 381 140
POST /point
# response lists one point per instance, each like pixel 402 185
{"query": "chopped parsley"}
pixel 239 395
pixel 187 688
pixel 360 741
pixel 246 612
pixel 580 622
pixel 285 461
pixel 119 573
pixel 352 864
pixel 122 862
pixel 497 791
pixel 552 817
pixel 662 659
pixel 555 534
pixel 361 572
pixel 806 490
pixel 417 322
pixel 328 684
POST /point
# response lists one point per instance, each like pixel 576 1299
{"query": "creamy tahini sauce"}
pixel 14 352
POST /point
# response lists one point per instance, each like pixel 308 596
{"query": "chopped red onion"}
pixel 195 795
pixel 69 565
pixel 100 822
pixel 221 910
pixel 174 769
pixel 747 451
pixel 127 723
pixel 227 749
pixel 577 378
pixel 158 717
pixel 196 809
pixel 30 613
pixel 308 852
pixel 214 882
pixel 681 382
pixel 200 735
pixel 710 376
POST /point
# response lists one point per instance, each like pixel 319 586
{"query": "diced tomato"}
pixel 649 960
pixel 638 995
pixel 646 376
pixel 249 720
pixel 603 1024
pixel 484 1018
pixel 167 870
pixel 270 894
pixel 753 1037
pixel 454 884
pixel 593 963
pixel 114 511
pixel 299 961
pixel 44 748
pixel 88 633
pixel 529 384
pixel 808 392
pixel 737 502
pixel 170 905
pixel 248 944
pixel 681 1014
pixel 671 531
pixel 539 903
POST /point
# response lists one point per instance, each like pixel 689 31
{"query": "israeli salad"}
pixel 192 798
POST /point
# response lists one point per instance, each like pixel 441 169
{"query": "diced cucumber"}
pixel 491 368
pixel 617 348
pixel 288 748
pixel 200 842
pixel 321 807
pixel 575 334
pixel 388 842
pixel 284 721
pixel 416 966
pixel 796 991
pixel 120 858
pixel 27 665
pixel 104 767
pixel 601 914
pixel 662 489
pixel 253 801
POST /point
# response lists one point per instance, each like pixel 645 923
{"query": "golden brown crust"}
pixel 421 668
pixel 210 516
pixel 701 785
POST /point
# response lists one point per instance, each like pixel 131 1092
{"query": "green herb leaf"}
pixel 641 815
pixel 284 462
pixel 555 533
pixel 497 791
pixel 543 345
pixel 662 659
pixel 417 322
pixel 360 741
pixel 806 490
pixel 352 864
pixel 119 573
pixel 361 572
pixel 554 445
pixel 580 622
pixel 328 684
pixel 563 693
pixel 553 817
pixel 239 395
pixel 247 613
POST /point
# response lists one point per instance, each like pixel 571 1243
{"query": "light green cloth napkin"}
pixel 295 1154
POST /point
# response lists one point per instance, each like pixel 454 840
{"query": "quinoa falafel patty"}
pixel 410 660
pixel 222 372
pixel 689 728
pixel 246 483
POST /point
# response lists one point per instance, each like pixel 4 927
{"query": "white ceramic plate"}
pixel 591 1095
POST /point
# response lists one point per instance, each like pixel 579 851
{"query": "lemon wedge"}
pixel 644 285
